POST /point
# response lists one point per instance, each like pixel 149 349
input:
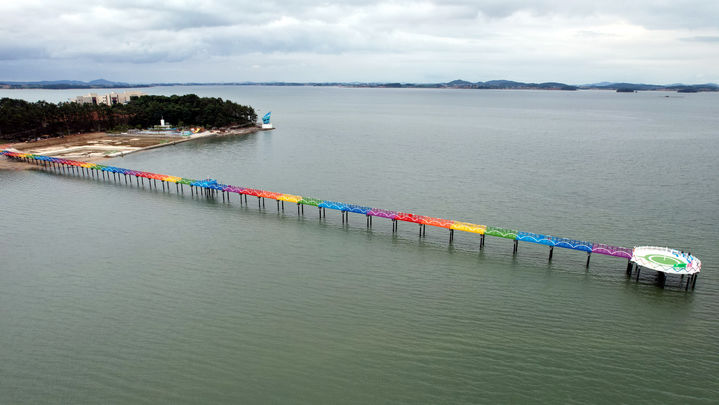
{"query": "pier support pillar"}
pixel 516 246
pixel 694 280
pixel 589 256
pixel 551 252
pixel 451 235
pixel 481 242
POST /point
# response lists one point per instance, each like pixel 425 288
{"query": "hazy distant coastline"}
pixel 455 84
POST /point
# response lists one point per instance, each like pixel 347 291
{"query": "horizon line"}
pixel 353 82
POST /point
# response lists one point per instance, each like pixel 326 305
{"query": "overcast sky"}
pixel 571 41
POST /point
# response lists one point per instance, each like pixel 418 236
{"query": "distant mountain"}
pixel 458 82
pixel 68 84
pixel 506 84
pixel 630 87
pixel 454 84
pixel 694 87
pixel 503 84
pixel 107 83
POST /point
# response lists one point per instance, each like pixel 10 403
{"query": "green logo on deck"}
pixel 664 260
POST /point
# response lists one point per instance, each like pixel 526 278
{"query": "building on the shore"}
pixel 165 129
pixel 111 98
pixel 86 99
pixel 164 126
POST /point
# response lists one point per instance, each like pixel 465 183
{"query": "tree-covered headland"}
pixel 21 120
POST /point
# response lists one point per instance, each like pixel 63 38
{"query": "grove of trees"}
pixel 21 120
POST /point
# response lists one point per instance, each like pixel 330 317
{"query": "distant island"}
pixel 22 121
pixel 455 84
pixel 69 84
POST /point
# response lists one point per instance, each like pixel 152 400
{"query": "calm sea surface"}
pixel 114 294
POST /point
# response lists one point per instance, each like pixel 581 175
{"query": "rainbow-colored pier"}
pixel 663 260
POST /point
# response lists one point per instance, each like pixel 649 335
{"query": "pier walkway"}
pixel 663 260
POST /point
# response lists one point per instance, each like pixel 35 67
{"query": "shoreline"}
pixel 100 146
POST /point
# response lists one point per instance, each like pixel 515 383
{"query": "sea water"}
pixel 117 294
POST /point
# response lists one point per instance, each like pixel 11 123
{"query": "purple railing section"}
pixel 609 250
pixel 379 212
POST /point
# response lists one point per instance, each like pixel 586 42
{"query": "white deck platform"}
pixel 666 260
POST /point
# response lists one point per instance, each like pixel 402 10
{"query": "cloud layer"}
pixel 209 40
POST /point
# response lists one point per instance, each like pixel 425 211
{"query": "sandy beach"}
pixel 98 146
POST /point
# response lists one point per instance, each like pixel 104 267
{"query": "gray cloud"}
pixel 702 39
pixel 13 52
pixel 369 40
pixel 649 13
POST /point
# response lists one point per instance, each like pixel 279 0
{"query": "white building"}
pixel 87 99
pixel 125 97
pixel 163 125
pixel 109 98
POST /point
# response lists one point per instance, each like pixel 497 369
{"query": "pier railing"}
pixel 210 187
